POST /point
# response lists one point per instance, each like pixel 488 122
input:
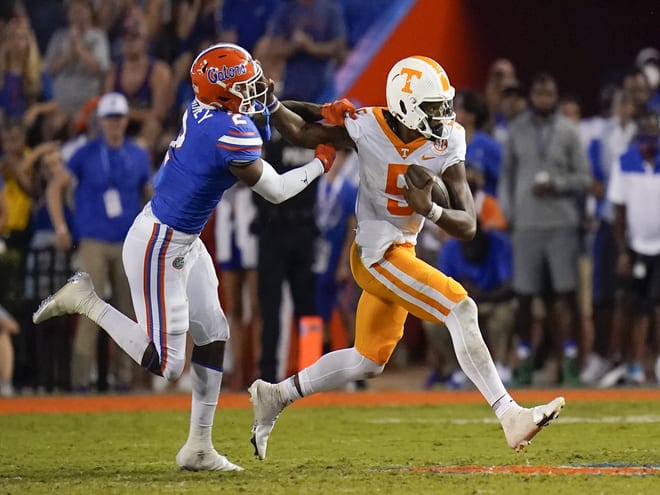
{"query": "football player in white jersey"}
pixel 417 127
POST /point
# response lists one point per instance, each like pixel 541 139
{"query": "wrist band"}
pixel 274 106
pixel 435 213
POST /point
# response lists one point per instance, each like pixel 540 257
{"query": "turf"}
pixel 332 450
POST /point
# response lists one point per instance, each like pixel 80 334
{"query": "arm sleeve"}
pixel 277 188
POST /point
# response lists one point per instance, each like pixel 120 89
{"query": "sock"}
pixel 502 405
pixel 288 389
pixel 471 351
pixel 128 334
pixel 332 371
pixel 206 384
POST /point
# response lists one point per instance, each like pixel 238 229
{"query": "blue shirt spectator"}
pixel 486 153
pixel 13 100
pixel 244 21
pixel 487 270
pixel 98 169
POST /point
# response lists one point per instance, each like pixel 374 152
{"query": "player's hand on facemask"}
pixel 334 113
pixel 326 153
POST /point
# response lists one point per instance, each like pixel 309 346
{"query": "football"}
pixel 420 176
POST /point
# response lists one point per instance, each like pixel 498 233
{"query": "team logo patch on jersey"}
pixel 440 145
pixel 178 262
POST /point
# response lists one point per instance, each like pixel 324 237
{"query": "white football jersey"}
pixel 383 215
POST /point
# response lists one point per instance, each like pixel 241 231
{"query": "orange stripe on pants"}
pixel 382 310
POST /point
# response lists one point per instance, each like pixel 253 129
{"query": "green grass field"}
pixel 332 450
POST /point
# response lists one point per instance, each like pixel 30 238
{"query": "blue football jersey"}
pixel 195 171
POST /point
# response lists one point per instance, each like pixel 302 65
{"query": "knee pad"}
pixel 365 366
pixel 174 369
pixel 211 355
pixel 467 314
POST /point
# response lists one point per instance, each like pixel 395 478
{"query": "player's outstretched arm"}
pixel 298 131
pixel 262 178
pixel 332 113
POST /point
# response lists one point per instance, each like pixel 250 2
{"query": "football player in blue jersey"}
pixel 171 274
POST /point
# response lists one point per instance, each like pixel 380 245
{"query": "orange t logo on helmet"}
pixel 409 73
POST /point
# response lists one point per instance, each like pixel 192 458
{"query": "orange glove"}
pixel 326 153
pixel 334 113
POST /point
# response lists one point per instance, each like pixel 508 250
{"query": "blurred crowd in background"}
pixel 565 266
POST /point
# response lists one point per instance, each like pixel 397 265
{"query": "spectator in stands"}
pixel 309 36
pixel 501 74
pixel 194 26
pixel 634 190
pixel 25 90
pixel 609 141
pixel 13 139
pixel 113 182
pixel 48 268
pixel 637 85
pixel 513 102
pixel 544 171
pixel 482 150
pixel 145 81
pixel 244 22
pixel 8 327
pixel 111 15
pixel 77 56
pixel 648 61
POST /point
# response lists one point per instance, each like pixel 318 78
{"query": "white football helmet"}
pixel 417 80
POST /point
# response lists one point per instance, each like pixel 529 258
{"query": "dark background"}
pixel 583 43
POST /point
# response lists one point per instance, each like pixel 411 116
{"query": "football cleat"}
pixel 76 296
pixel 191 459
pixel 267 404
pixel 521 424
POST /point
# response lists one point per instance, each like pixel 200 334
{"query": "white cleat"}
pixel 521 424
pixel 76 296
pixel 267 404
pixel 191 459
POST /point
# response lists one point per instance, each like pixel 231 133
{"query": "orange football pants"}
pixel 398 284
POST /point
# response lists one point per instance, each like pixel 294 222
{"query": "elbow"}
pixel 272 197
pixel 466 235
pixel 276 200
pixel 468 232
